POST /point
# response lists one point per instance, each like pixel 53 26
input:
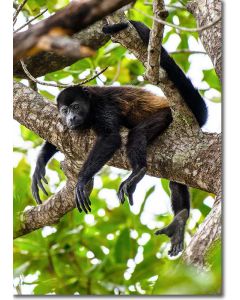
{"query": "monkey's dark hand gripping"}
pixel 83 190
pixel 127 187
pixel 38 176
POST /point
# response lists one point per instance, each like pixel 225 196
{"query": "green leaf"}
pixel 47 95
pixel 215 99
pixel 29 135
pixel 165 186
pixel 212 79
pixel 54 165
pixel 46 286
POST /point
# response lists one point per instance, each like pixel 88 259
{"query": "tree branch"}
pixel 33 79
pixel 31 20
pixel 155 41
pixel 19 8
pixel 63 22
pixel 47 62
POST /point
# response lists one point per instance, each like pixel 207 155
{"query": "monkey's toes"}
pixel 176 249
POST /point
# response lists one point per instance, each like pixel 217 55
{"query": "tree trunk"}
pixel 205 12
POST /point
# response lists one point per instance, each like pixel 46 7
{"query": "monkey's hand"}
pixel 83 191
pixel 128 186
pixel 175 231
pixel 38 176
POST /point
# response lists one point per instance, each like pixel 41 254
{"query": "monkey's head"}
pixel 74 106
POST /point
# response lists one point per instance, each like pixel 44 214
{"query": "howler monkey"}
pixel 106 110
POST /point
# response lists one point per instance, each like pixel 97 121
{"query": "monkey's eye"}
pixel 76 106
pixel 64 111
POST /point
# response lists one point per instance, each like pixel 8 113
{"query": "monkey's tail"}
pixel 185 87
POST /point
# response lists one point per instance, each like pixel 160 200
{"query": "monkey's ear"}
pixel 86 92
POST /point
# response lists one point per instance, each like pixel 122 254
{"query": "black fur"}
pixel 139 138
pixel 114 28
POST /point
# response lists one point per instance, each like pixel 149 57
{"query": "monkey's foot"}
pixel 175 231
pixel 128 186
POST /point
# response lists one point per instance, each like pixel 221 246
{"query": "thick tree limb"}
pixel 76 16
pixel 205 11
pixel 65 46
pixel 31 20
pixel 190 156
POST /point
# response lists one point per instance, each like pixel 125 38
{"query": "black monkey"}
pixel 105 110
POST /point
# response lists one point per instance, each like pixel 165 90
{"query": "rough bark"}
pixel 47 62
pixel 208 232
pixel 205 12
pixel 76 16
pixel 189 156
pixel 155 42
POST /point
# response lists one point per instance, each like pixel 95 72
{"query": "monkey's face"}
pixel 74 115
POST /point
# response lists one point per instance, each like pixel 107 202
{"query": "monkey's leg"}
pixel 180 200
pixel 138 139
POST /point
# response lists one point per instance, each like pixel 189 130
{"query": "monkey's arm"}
pixel 100 154
pixel 47 152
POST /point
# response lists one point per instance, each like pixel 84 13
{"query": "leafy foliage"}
pixel 112 250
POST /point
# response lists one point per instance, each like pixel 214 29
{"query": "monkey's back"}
pixel 136 104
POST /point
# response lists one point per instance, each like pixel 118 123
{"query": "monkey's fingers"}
pixel 38 176
pixel 175 249
pixel 86 200
pixel 45 180
pixel 77 204
pixel 120 194
pixel 35 192
pixel 87 197
pixel 42 187
pixel 130 199
pixel 128 193
pixel 82 200
pixel 161 231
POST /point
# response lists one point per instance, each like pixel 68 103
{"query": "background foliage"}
pixel 111 250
